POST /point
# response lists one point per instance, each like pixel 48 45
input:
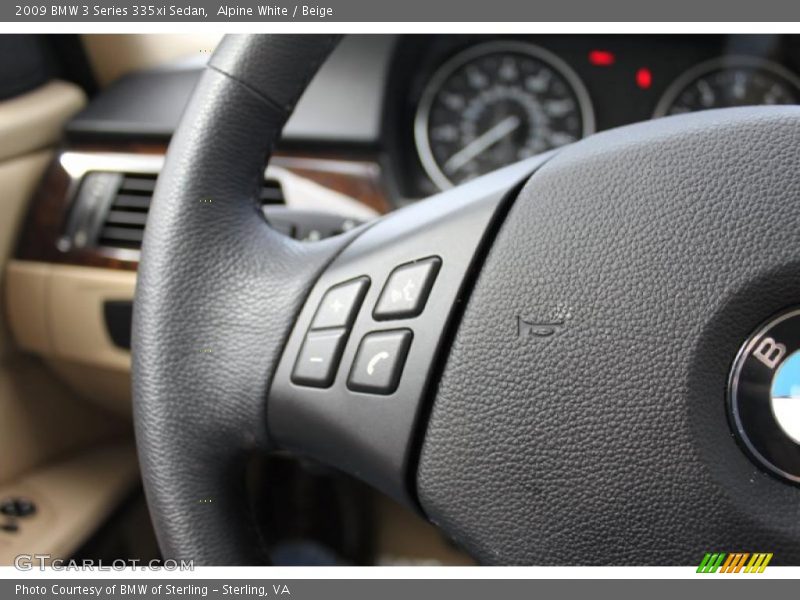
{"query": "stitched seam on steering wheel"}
pixel 269 101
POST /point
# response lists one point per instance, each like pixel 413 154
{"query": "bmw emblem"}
pixel 764 395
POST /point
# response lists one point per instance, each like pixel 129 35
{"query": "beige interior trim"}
pixel 19 177
pixel 26 305
pixel 406 539
pixel 57 311
pixel 35 119
pixel 42 419
pixel 104 387
pixel 73 498
pixel 114 55
pixel 75 301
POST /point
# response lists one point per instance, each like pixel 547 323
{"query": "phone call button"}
pixel 379 361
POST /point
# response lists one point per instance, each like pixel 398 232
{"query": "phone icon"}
pixel 375 360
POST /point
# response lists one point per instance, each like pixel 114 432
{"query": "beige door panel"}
pixel 25 302
pixel 41 419
pixel 29 124
pixel 73 498
pixel 18 178
pixel 107 388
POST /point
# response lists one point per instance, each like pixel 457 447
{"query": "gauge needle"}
pixel 479 144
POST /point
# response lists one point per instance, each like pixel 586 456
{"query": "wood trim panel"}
pixel 357 177
pixel 44 224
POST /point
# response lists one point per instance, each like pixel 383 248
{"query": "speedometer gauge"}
pixel 495 104
pixel 730 81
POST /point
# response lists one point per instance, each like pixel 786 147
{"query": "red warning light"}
pixel 601 58
pixel 644 78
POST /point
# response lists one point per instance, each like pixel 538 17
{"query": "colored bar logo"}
pixel 735 562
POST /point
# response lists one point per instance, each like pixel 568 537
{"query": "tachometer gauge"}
pixel 730 81
pixel 495 104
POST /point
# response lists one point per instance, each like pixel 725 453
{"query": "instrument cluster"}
pixel 477 104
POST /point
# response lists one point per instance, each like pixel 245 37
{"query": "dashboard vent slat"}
pixel 121 236
pixel 139 183
pixel 133 201
pixel 124 217
pixel 271 192
pixel 123 225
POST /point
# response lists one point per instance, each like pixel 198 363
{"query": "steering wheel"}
pixel 537 361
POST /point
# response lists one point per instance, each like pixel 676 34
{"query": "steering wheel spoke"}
pixel 351 385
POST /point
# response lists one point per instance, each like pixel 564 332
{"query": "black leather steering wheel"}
pixel 549 388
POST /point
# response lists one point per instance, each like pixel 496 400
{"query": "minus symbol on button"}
pixel 316 359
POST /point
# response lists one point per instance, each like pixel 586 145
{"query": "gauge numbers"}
pixel 727 82
pixel 495 104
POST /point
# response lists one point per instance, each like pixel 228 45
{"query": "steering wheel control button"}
pixel 764 396
pixel 319 358
pixel 379 361
pixel 407 289
pixel 340 304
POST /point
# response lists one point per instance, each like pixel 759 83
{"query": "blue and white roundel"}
pixel 785 396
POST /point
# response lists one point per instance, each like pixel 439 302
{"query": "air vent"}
pixel 123 225
pixel 271 192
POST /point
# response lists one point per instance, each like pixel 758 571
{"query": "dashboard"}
pixel 433 111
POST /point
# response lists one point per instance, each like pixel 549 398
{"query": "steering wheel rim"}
pixel 224 307
pixel 194 435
